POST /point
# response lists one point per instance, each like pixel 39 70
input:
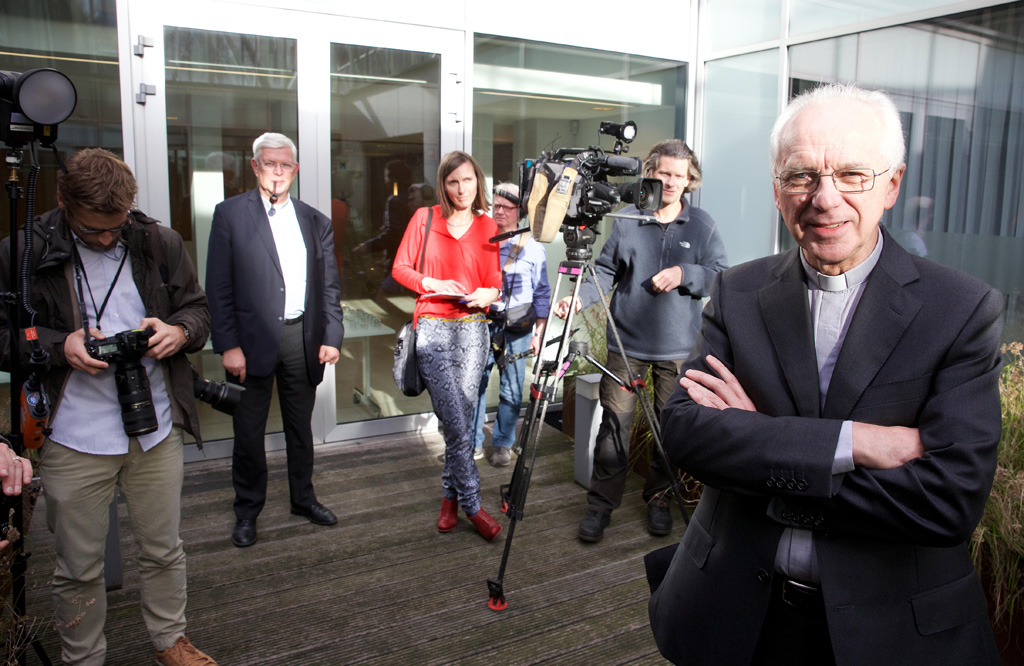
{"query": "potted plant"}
pixel 997 545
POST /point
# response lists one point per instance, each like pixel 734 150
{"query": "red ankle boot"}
pixel 449 515
pixel 485 525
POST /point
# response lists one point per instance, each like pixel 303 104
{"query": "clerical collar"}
pixel 843 281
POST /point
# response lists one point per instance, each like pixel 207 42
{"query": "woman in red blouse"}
pixel 461 278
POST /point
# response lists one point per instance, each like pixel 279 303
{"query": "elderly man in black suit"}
pixel 275 304
pixel 842 408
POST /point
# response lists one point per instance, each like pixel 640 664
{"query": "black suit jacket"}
pixel 245 285
pixel 922 351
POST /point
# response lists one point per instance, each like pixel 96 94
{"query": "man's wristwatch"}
pixel 188 333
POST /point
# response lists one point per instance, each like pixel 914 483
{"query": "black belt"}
pixel 289 322
pixel 799 594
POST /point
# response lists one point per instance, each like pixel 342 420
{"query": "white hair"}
pixel 271 140
pixel 893 147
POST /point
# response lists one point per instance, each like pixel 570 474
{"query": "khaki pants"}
pixel 78 488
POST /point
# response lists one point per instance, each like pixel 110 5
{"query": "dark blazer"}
pixel 922 351
pixel 245 285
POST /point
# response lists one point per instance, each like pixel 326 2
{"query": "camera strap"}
pixel 79 274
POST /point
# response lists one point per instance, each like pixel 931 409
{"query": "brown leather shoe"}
pixel 183 653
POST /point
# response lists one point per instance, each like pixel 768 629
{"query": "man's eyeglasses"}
pixel 849 181
pixel 273 166
pixel 505 207
pixel 90 231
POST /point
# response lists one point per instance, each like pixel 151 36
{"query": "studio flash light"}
pixel 33 104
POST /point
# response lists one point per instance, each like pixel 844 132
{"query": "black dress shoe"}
pixel 317 513
pixel 659 517
pixel 244 533
pixel 592 526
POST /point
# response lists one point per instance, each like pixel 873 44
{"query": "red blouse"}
pixel 472 260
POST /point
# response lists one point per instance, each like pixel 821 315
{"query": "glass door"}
pixel 370 118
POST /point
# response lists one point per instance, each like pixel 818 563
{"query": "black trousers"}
pixel 296 395
pixel 611 450
pixel 794 633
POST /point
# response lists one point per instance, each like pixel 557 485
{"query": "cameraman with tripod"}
pixel 660 271
pixel 98 268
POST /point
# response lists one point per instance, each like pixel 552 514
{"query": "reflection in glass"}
pixel 960 202
pixel 813 15
pixel 223 91
pixel 385 144
pixel 741 102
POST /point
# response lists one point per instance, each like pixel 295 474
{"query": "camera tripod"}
pixel 578 265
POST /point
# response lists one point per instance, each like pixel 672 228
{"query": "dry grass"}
pixel 998 543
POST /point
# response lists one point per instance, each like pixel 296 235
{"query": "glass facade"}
pixel 530 97
pixel 385 148
pixel 381 106
pixel 741 103
pixel 80 41
pixel 223 90
pixel 960 91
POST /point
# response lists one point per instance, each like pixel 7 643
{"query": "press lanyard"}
pixel 79 274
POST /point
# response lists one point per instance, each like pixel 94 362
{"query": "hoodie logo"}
pixel 684 244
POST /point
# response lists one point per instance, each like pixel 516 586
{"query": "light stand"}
pixel 578 264
pixel 32 105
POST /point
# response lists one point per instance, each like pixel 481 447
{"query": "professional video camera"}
pixel 125 350
pixel 568 190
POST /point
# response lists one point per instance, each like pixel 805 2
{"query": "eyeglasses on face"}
pixel 92 231
pixel 274 166
pixel 505 207
pixel 848 181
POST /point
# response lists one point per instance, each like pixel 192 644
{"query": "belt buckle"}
pixel 800 595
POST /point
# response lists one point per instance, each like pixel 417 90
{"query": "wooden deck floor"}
pixel 383 586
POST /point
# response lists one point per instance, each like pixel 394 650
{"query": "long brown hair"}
pixel 450 163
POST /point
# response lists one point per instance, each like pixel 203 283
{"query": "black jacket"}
pixel 168 286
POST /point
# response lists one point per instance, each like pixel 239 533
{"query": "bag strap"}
pixel 426 235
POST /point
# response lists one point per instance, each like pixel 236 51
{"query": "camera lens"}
pixel 137 411
pixel 222 396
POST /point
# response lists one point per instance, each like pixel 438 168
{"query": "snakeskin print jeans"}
pixel 451 354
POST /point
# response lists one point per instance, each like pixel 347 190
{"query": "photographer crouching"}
pixel 118 304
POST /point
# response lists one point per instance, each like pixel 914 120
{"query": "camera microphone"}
pixel 508 234
pixel 630 166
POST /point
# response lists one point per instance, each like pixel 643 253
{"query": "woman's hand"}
pixel 483 297
pixel 433 285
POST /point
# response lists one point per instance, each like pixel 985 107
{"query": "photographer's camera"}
pixel 125 350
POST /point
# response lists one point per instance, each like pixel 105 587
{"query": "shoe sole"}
pixel 659 532
pixel 589 538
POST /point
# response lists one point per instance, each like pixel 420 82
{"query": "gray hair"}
pixel 271 140
pixel 893 147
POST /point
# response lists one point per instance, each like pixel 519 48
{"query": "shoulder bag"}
pixel 406 371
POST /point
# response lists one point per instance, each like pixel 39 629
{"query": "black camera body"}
pixel 126 346
pixel 125 350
